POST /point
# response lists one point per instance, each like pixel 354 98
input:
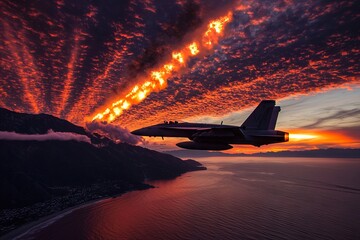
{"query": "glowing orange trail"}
pixel 158 77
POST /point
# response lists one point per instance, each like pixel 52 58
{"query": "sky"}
pixel 75 59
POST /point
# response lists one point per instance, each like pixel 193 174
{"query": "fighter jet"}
pixel 258 129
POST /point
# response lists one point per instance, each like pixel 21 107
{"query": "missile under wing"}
pixel 258 129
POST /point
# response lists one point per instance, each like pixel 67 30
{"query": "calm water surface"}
pixel 236 198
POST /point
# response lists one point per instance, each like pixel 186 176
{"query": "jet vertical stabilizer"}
pixel 262 117
pixel 274 117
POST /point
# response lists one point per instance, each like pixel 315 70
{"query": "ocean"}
pixel 236 198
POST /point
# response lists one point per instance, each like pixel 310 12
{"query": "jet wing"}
pixel 210 131
pixel 236 131
pixel 188 128
pixel 221 132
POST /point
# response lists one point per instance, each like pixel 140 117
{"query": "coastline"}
pixel 34 215
pixel 22 230
pixel 58 207
pixel 27 227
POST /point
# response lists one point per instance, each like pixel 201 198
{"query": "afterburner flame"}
pixel 157 79
pixel 300 137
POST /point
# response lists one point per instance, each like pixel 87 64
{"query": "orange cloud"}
pixel 264 53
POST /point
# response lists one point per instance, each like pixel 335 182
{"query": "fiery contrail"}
pixel 158 77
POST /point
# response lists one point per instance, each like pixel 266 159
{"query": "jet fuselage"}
pixel 257 130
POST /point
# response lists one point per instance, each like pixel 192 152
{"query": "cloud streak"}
pixel 341 114
pixel 116 133
pixel 50 136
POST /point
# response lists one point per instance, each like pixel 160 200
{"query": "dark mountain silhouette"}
pixel 33 171
pixel 32 124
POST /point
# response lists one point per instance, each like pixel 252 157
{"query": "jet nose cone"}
pixel 140 132
pixel 136 132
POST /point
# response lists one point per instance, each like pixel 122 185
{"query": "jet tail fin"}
pixel 264 116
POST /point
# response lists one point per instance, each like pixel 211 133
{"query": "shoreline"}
pixel 14 218
pixel 24 229
pixel 77 202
